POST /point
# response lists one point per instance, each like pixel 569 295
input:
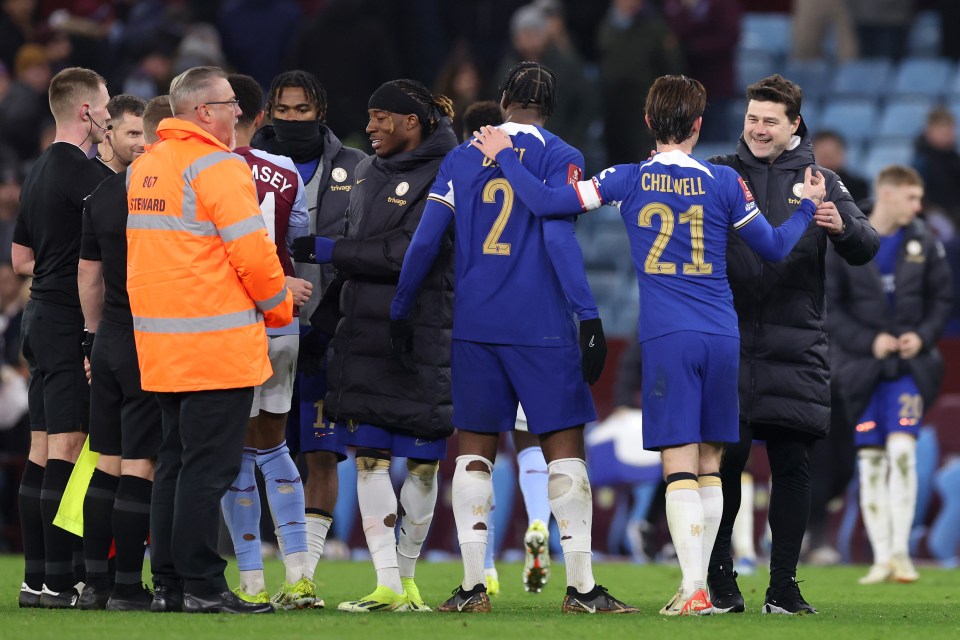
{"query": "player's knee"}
pixel 423 472
pixel 566 475
pixel 477 466
pixel 371 460
pixel 558 485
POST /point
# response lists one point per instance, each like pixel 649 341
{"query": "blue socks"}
pixel 532 474
pixel 285 495
pixel 241 510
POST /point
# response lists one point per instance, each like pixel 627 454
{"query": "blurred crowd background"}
pixel 881 85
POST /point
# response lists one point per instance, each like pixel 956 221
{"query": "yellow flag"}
pixel 70 514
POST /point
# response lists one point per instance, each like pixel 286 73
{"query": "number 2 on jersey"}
pixel 692 216
pixel 492 244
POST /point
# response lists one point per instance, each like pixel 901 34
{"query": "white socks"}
pixel 378 511
pixel 252 581
pixel 318 526
pixel 902 457
pixel 711 499
pixel 472 498
pixel 685 518
pixel 418 497
pixel 571 501
pixel 743 548
pixel 875 502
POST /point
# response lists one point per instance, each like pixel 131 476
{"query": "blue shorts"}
pixel 489 380
pixel 896 406
pixel 399 444
pixel 690 389
pixel 307 429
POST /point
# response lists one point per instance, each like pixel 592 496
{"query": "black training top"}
pixel 104 239
pixel 51 202
pixel 105 170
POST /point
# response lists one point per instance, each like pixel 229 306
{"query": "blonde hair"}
pixel 70 88
pixel 898 175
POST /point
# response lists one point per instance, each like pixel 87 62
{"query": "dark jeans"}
pixel 203 434
pixel 789 454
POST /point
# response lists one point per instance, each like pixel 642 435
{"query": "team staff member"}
pixel 784 372
pixel 284 209
pixel 46 245
pixel 885 322
pixel 391 411
pixel 123 141
pixel 297 107
pixel 125 422
pixel 203 277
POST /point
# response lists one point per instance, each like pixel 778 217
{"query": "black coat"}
pixel 328 213
pixel 364 383
pixel 784 365
pixel 858 311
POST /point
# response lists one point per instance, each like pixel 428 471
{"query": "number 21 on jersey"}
pixel 692 216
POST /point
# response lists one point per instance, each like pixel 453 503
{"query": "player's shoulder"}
pixel 253 155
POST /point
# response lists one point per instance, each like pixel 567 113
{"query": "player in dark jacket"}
pixel 380 409
pixel 297 106
pixel 885 320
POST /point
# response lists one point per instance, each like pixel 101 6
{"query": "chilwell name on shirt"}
pixel 669 184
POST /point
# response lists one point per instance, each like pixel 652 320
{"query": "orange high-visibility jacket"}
pixel 202 273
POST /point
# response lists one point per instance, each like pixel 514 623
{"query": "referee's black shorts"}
pixel 125 420
pixel 59 396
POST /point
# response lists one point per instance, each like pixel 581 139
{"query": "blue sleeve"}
pixel 299 224
pixel 420 255
pixel 770 243
pixel 542 200
pixel 561 241
pixel 567 260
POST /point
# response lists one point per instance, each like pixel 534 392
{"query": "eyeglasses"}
pixel 232 103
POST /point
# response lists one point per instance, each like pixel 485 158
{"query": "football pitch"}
pixel 926 610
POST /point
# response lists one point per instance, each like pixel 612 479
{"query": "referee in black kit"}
pixel 46 245
pixel 125 421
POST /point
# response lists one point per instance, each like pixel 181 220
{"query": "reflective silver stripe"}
pixel 242 228
pixel 128 172
pixel 197 325
pixel 170 223
pixel 272 301
pixel 190 174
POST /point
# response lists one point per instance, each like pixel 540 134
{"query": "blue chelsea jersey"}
pixel 507 290
pixel 678 212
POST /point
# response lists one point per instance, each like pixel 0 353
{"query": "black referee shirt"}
pixel 51 202
pixel 104 240
pixel 105 170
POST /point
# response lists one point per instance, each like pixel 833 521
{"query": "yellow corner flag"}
pixel 70 514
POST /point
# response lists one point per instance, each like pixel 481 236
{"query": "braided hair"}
pixel 435 105
pixel 531 83
pixel 302 80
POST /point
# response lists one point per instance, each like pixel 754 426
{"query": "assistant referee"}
pixel 46 245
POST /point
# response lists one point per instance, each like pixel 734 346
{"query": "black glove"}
pixel 313 349
pixel 593 349
pixel 87 344
pixel 304 249
pixel 401 337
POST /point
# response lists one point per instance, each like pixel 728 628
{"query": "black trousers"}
pixel 203 433
pixel 789 453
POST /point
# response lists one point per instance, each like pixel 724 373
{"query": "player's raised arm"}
pixel 775 243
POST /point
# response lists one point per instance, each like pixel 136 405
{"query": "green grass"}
pixel 928 609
